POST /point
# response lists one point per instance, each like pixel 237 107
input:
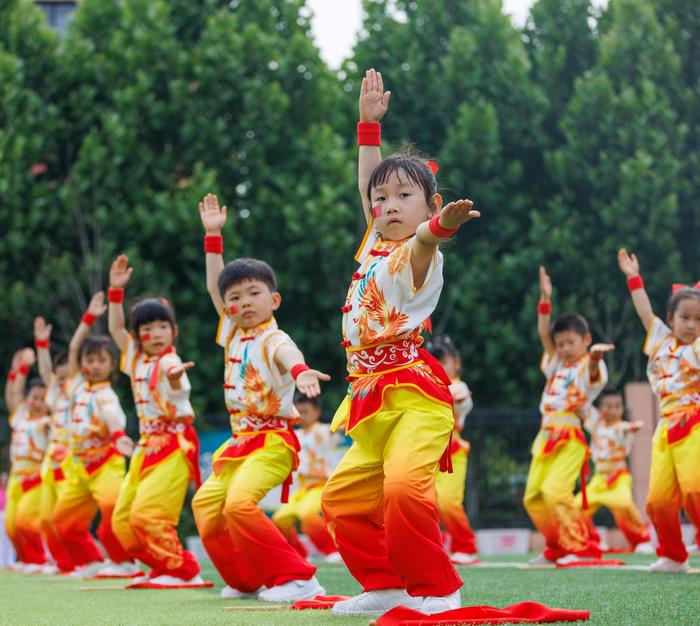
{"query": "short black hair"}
pixel 95 344
pixel 244 269
pixel 300 397
pixel 442 347
pixel 60 358
pixel 570 321
pixel 412 166
pixel 35 382
pixel 682 294
pixel 610 391
pixel 150 310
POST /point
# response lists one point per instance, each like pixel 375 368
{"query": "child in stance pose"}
pixel 167 455
pixel 315 462
pixel 674 373
pixel 576 374
pixel 261 365
pixel 380 500
pixel 30 423
pixel 611 485
pixel 450 486
pixel 97 467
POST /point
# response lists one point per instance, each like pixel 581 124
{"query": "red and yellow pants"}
pixel 22 521
pixel 549 500
pixel 243 543
pixel 50 490
pixel 617 498
pixel 450 501
pixel 674 483
pixel 147 512
pixel 304 507
pixel 78 502
pixel 380 500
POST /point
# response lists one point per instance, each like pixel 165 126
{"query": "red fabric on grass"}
pixel 318 602
pixel 521 613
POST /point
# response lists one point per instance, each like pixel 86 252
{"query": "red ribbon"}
pixel 676 287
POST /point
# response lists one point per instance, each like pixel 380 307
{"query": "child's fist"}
pixel 628 263
pixel 374 101
pixel 120 272
pixel 213 217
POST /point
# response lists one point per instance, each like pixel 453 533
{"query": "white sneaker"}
pixel 664 564
pixel 438 604
pixel 375 603
pixel 333 557
pixel 49 570
pixel 693 548
pixel 541 559
pixel 644 548
pixel 230 593
pixel 164 581
pixel 462 558
pixel 292 591
pixel 570 559
pixel 86 571
pixel 18 567
pixel 127 569
pixel 33 568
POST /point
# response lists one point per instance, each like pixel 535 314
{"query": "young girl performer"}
pixel 30 422
pixel 399 408
pixel 167 456
pixel 674 373
pixel 97 467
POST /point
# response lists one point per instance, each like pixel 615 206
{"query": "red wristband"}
pixel 298 369
pixel 11 375
pixel 214 244
pixel 634 283
pixel 115 295
pixel 369 134
pixel 42 344
pixel 117 434
pixel 544 307
pixel 24 370
pixel 440 231
pixel 88 318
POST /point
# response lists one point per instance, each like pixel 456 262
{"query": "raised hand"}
pixel 176 371
pixel 545 285
pixel 308 382
pixel 374 101
pixel 213 217
pixel 599 350
pixel 16 360
pixel 120 272
pixel 628 263
pixel 456 213
pixel 27 357
pixel 97 306
pixel 42 330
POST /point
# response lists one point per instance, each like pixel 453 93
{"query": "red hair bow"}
pixel 434 168
pixel 676 287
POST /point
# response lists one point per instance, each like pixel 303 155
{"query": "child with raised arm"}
pixel 97 467
pixel 261 366
pixel 576 374
pixel 611 484
pixel 167 455
pixel 54 373
pixel 450 486
pixel 674 374
pixel 29 422
pixel 398 410
pixel 318 445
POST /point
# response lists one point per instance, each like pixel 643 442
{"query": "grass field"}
pixel 614 598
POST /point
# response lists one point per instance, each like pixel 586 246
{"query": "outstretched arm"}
pixel 213 220
pixel 42 336
pixel 96 308
pixel 629 265
pixel 286 357
pixel 597 352
pixel 119 275
pixel 374 102
pixel 544 312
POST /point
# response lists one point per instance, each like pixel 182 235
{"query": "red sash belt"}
pixel 162 437
pixel 680 427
